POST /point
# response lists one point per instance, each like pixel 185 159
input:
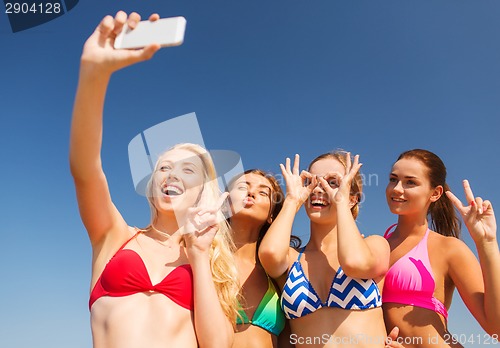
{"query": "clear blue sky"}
pixel 267 79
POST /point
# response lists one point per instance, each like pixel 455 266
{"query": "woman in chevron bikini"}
pixel 330 291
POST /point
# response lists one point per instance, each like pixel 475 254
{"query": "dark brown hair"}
pixel 357 182
pixel 442 213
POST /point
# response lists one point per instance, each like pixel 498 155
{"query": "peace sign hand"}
pixel 298 187
pixel 478 216
pixel 202 225
pixel 337 186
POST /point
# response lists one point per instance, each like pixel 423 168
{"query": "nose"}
pixel 250 193
pixel 398 188
pixel 173 174
pixel 318 188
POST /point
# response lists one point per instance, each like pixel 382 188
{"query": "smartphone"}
pixel 165 32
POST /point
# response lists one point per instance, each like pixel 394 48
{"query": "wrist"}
pixel 487 246
pixel 198 257
pixel 292 203
pixel 94 70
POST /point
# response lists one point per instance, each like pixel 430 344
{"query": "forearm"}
pixel 86 127
pixel 489 259
pixel 355 256
pixel 274 248
pixel 213 328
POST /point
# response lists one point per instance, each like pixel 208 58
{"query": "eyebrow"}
pixel 406 177
pixel 181 161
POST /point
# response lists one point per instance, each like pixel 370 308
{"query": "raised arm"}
pixel 275 246
pixel 213 327
pixel 359 257
pixel 98 61
pixel 479 295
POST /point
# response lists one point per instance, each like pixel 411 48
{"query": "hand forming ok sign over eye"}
pixel 337 186
pixel 478 216
pixel 298 187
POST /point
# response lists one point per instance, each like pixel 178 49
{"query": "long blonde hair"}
pixel 222 263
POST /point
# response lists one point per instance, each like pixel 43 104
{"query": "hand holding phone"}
pixel 165 32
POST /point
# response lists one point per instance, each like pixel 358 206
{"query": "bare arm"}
pixel 275 246
pixel 359 257
pixel 213 327
pixel 99 60
pixel 480 294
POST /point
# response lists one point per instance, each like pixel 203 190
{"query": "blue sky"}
pixel 267 79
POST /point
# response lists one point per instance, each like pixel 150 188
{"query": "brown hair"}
pixel 442 213
pixel 357 182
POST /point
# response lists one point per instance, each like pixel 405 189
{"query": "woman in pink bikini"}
pixel 174 283
pixel 428 262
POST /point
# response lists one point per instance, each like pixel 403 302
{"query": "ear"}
pixel 437 193
pixel 353 200
pixel 270 219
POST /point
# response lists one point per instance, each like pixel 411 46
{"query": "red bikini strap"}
pixel 128 240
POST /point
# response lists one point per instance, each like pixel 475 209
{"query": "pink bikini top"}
pixel 409 281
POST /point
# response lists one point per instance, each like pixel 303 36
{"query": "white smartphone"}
pixel 164 31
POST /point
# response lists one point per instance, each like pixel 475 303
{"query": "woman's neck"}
pixel 323 237
pixel 245 235
pixel 166 224
pixel 411 225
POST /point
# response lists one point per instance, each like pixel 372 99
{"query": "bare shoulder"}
pixel 293 254
pixel 450 246
pixel 112 242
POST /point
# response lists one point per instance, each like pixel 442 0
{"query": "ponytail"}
pixel 443 217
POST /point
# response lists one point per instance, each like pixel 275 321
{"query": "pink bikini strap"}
pixel 387 234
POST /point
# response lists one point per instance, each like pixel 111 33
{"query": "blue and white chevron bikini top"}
pixel 299 297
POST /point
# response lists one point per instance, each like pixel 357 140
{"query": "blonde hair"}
pixel 222 263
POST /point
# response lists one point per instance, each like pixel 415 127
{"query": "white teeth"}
pixel 318 201
pixel 398 200
pixel 171 190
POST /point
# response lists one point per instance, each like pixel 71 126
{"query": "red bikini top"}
pixel 126 274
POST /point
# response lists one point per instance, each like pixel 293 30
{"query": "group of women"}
pixel 198 277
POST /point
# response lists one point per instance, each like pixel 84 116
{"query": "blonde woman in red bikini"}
pixel 173 283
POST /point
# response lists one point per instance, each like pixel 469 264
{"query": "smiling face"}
pixel 251 196
pixel 318 205
pixel 178 181
pixel 409 190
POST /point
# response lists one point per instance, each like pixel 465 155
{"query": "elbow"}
pixel 493 329
pixel 356 267
pixel 273 263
